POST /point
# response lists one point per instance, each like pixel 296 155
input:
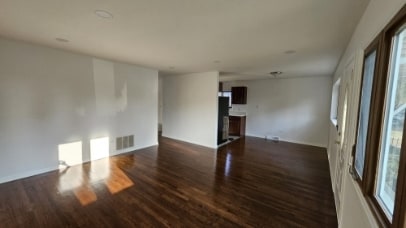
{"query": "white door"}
pixel 340 144
pixel 341 139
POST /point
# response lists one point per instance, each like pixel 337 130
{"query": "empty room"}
pixel 203 113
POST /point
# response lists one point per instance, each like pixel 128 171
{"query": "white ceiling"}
pixel 248 37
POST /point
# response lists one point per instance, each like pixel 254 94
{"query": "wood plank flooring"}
pixel 248 183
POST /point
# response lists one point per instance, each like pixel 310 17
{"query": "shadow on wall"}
pixel 109 101
pixel 294 119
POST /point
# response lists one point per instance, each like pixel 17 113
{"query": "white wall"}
pixel 50 98
pixel 355 212
pixel 191 108
pixel 295 109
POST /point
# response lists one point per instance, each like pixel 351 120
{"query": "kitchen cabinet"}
pixel 239 95
pixel 236 125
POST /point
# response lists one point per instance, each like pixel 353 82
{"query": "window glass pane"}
pixel 334 102
pixel 366 91
pixel 393 126
pixel 344 120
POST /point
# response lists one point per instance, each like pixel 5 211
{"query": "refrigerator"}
pixel 222 129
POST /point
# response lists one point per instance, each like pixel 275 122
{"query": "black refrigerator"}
pixel 222 128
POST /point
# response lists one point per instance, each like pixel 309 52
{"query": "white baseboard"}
pixel 186 141
pixel 292 141
pixel 304 143
pixel 26 174
pixel 130 149
pixel 31 173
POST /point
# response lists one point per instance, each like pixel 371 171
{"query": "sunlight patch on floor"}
pixel 118 181
pixel 85 195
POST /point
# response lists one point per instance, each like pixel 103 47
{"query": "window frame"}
pixel 334 102
pixel 374 46
pixel 383 46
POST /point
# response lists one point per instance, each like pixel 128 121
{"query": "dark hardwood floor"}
pixel 248 183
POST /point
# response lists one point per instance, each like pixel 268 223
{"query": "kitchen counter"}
pixel 239 114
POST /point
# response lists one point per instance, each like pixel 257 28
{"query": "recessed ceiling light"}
pixel 103 14
pixel 62 40
pixel 275 73
pixel 290 52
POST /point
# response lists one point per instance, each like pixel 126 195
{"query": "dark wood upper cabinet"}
pixel 239 95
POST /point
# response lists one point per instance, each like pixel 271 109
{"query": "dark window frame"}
pixel 374 46
pixel 383 46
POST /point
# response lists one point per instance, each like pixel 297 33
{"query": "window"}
pixel 334 102
pixel 363 116
pixel 395 105
pixel 380 150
